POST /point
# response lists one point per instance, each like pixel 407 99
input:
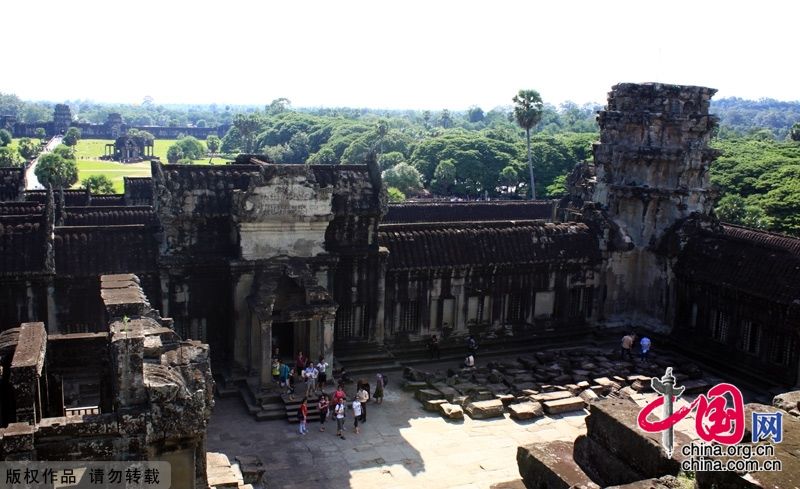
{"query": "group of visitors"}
pixel 315 375
pixel 628 341
pixel 333 406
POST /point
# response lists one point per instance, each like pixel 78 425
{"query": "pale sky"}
pixel 407 54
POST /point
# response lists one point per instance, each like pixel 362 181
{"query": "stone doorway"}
pixel 290 338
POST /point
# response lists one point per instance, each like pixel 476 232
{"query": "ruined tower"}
pixel 651 168
pixel 62 118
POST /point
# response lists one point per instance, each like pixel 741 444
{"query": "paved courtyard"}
pixel 400 446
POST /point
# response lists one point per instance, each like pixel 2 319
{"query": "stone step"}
pixel 550 465
pixel 565 405
pixel 485 409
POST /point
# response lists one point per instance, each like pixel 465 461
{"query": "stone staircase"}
pixel 291 407
pixel 364 358
pixel 456 348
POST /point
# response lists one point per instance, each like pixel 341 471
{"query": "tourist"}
pixel 290 384
pixel 323 405
pixel 283 374
pixel 356 413
pixel 276 370
pixel 627 344
pixel 339 413
pixel 363 398
pixel 469 362
pixel 310 376
pixel 472 345
pixel 644 344
pixel 302 414
pixel 322 375
pixel 433 347
pixel 339 394
pixel 300 361
pixel 378 389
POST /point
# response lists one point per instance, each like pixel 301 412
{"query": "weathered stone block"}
pixel 451 411
pixel 787 401
pixel 551 396
pixel 432 405
pixel 413 386
pixel 526 410
pixel 485 409
pixel 423 395
pixel 612 424
pixel 550 465
pixel 589 395
pixel 566 405
pixel 601 465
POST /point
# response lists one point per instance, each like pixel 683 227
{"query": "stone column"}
pixel 315 339
pixel 165 294
pixel 266 354
pixel 327 323
pixel 241 317
pixel 380 316
pixel 52 322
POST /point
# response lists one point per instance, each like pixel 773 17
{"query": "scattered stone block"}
pixel 526 410
pixel 252 468
pixel 423 395
pixel 589 395
pixel 432 405
pixel 666 482
pixel 506 399
pixel 583 384
pixel 566 405
pixel 550 465
pixel 485 409
pixel 460 400
pixel 413 386
pixel 695 386
pixel 787 401
pixel 573 389
pixel 550 396
pixel 529 392
pixel 448 393
pixel 451 411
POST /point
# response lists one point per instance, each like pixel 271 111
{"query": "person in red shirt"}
pixel 303 415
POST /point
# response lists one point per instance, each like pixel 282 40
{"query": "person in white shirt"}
pixel 356 413
pixel 338 411
pixel 310 374
pixel 469 362
pixel 322 375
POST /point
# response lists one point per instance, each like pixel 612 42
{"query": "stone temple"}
pixel 248 257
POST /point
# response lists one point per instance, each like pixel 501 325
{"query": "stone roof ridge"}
pixel 549 226
pixel 767 238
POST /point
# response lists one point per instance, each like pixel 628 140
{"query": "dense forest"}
pixel 475 154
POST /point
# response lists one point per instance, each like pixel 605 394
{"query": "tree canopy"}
pixel 53 169
pixel 98 184
pixel 528 108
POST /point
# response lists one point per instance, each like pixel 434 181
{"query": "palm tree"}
pixel 528 113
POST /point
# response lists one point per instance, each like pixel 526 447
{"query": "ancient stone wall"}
pixel 155 393
pixel 12 184
pixel 651 169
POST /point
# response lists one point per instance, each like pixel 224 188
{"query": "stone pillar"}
pixel 265 367
pixel 315 335
pixel 457 289
pixel 165 294
pixel 241 317
pixel 52 321
pixel 380 315
pixel 26 372
pixel 327 323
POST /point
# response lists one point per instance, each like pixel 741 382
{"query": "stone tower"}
pixel 62 118
pixel 651 167
pixel 653 158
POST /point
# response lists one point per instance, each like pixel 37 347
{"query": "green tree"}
pixel 528 113
pixel 475 114
pixel 444 177
pixel 98 184
pixel 247 126
pixel 558 188
pixel 174 153
pixel 509 178
pixel 53 169
pixel 279 106
pixel 27 148
pixel 445 120
pixel 213 143
pixel 65 152
pixel 388 160
pixel 395 195
pixel 10 157
pixel 404 177
pixel 794 132
pixel 72 136
pixel 5 138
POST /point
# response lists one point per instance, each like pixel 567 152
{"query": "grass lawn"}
pixel 114 171
pixel 89 151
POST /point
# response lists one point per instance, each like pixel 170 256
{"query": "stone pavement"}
pixel 400 446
